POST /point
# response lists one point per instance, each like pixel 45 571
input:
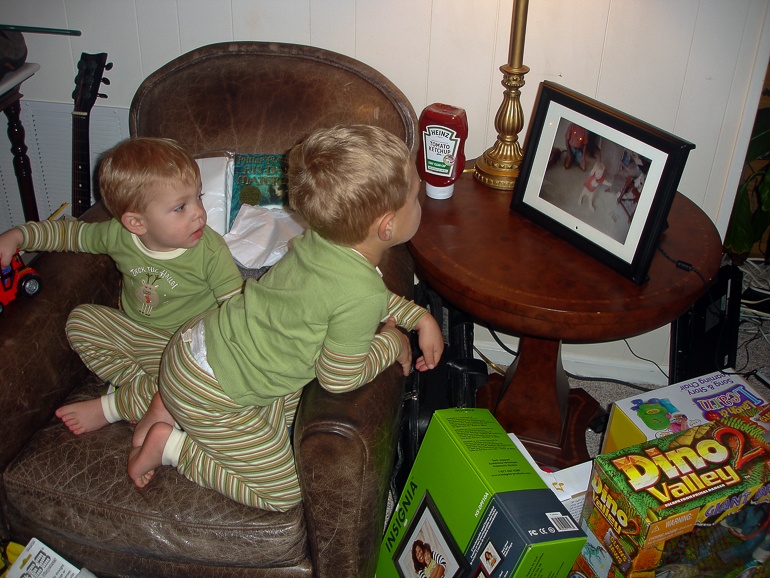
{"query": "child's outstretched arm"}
pixel 10 241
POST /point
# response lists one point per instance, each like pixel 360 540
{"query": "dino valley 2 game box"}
pixel 698 498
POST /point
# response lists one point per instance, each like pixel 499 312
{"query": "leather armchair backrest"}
pixel 260 97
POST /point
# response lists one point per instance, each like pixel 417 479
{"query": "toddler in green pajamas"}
pixel 173 267
pixel 231 378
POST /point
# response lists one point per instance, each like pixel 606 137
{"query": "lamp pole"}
pixel 498 167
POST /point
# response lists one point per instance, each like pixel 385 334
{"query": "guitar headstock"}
pixel 91 67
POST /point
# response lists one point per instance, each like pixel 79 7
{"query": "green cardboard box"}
pixel 481 508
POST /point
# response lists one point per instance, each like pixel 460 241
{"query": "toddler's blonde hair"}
pixel 129 170
pixel 342 179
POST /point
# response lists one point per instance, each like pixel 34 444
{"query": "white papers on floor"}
pixel 260 236
pixel 570 484
pixel 37 559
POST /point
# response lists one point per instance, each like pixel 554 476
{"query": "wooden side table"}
pixel 9 103
pixel 511 273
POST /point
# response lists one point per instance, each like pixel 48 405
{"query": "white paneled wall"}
pixel 48 128
pixel 691 67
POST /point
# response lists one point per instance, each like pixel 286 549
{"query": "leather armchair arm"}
pixel 39 367
pixel 345 445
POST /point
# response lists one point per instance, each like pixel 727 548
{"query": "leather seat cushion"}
pixel 77 488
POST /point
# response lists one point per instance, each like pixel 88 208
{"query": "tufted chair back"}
pixel 263 98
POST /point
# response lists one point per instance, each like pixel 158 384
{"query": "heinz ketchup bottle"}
pixel 441 159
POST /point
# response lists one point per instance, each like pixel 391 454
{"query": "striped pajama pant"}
pixel 243 452
pixel 121 351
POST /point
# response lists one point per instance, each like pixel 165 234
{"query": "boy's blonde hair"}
pixel 130 169
pixel 342 179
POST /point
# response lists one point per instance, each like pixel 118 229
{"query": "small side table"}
pixel 504 269
pixel 9 103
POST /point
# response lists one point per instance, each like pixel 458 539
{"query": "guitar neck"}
pixel 81 164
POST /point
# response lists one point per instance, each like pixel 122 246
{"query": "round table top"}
pixel 499 266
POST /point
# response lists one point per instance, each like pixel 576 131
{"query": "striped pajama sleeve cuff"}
pixel 406 312
pixel 338 373
pixel 59 235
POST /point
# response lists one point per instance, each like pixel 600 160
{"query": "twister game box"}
pixel 700 497
pixel 675 408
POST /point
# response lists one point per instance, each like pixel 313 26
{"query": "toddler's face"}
pixel 175 217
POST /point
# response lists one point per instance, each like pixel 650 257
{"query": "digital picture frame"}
pixel 598 178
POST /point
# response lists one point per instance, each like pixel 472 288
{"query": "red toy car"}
pixel 18 278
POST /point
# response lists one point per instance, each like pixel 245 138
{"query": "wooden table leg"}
pixel 539 407
pixel 21 164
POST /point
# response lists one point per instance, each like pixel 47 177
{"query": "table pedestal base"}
pixel 539 407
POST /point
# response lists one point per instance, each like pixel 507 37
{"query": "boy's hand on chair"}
pixel 431 342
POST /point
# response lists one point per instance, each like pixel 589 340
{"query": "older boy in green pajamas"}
pixel 173 268
pixel 231 378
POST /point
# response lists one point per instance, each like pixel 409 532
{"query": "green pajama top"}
pixel 161 289
pixel 315 313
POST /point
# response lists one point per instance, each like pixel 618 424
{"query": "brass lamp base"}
pixel 498 167
pixel 496 174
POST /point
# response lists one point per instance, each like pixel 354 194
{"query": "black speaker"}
pixel 705 338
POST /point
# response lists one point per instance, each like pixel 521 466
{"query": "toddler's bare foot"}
pixel 157 412
pixel 83 416
pixel 143 460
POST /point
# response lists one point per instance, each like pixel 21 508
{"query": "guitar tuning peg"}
pixel 101 95
pixel 108 66
pixel 106 81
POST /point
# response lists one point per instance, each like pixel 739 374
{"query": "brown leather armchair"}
pixel 73 493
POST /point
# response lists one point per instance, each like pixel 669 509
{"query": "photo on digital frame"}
pixel 428 542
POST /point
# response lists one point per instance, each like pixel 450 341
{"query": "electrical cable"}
pixel 571 375
pixel 685 266
pixel 609 380
pixel 500 343
pixel 486 360
pixel 644 359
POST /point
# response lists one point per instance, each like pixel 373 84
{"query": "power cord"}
pixel 570 375
pixel 644 358
pixel 685 266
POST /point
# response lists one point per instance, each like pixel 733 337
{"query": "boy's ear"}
pixel 134 223
pixel 385 227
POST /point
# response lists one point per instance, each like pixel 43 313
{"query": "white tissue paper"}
pixel 260 236
pixel 217 182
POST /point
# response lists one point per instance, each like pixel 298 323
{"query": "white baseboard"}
pixel 641 372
